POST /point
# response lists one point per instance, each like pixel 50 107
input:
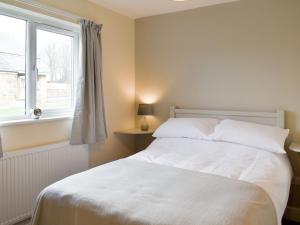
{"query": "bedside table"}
pixel 293 208
pixel 294 156
pixel 135 131
pixel 142 139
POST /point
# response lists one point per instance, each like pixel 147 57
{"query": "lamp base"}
pixel 144 124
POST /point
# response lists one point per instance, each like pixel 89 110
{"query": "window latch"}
pixel 36 113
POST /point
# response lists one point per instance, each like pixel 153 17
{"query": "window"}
pixel 54 56
pixel 12 66
pixel 38 65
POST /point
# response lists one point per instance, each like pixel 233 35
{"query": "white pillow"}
pixel 199 128
pixel 251 134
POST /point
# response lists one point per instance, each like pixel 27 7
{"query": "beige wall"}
pixel 241 55
pixel 118 79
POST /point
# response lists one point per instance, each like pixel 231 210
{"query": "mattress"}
pixel 270 171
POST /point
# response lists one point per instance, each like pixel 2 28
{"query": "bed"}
pixel 177 181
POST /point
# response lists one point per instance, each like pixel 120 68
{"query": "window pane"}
pixel 12 66
pixel 55 66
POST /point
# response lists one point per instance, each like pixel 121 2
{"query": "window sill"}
pixel 33 121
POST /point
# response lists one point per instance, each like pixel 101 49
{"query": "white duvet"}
pixel 268 170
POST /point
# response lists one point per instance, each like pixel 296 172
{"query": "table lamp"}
pixel 145 110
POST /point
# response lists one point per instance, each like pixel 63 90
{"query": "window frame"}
pixel 35 21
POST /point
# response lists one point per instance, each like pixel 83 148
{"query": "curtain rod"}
pixel 50 9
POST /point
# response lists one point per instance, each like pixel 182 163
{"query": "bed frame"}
pixel 266 118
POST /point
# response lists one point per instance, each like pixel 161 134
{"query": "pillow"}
pixel 251 134
pixel 199 128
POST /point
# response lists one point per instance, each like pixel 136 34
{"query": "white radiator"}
pixel 23 174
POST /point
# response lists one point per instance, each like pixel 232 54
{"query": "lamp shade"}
pixel 145 109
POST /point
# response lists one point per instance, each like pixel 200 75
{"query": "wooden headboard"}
pixel 266 118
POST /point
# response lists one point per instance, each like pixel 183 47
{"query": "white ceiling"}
pixel 144 8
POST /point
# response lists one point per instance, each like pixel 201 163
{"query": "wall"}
pixel 243 55
pixel 118 81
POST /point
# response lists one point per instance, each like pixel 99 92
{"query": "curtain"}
pixel 89 126
pixel 1 151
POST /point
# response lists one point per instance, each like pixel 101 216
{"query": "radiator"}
pixel 23 174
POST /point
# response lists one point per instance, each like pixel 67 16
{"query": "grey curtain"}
pixel 89 126
pixel 1 152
